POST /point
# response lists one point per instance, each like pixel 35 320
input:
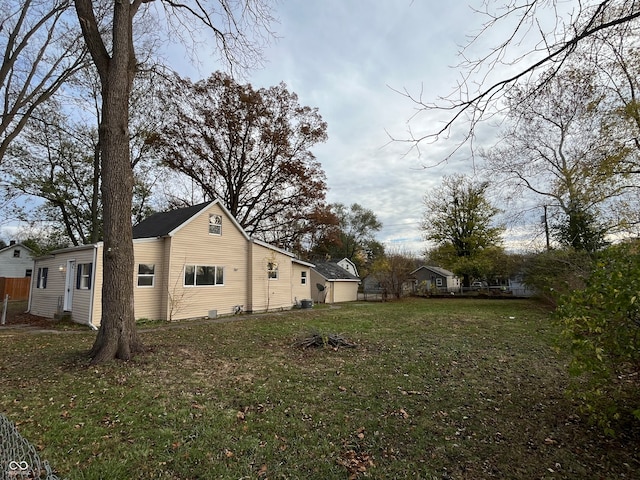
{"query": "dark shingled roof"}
pixel 161 224
pixel 333 271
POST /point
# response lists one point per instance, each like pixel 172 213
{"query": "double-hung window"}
pixel 146 274
pixel 83 276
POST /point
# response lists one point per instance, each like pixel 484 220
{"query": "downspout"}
pixel 93 288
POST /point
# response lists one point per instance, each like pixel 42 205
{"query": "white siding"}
pixel 48 301
pixel 15 267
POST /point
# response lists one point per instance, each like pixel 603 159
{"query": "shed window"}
pixel 146 274
pixel 42 277
pixel 83 276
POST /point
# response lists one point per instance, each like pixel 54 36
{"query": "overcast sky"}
pixel 346 58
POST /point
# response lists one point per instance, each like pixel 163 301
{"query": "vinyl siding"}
pixel 15 267
pixel 335 291
pixel 193 245
pixel 316 295
pixel 344 291
pixel 270 294
pixel 298 290
pixel 44 301
pixel 96 316
pixel 82 299
pixel 148 300
pixel 48 301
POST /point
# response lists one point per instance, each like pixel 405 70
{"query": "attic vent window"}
pixel 16 253
pixel 215 224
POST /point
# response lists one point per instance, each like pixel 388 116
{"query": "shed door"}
pixel 68 285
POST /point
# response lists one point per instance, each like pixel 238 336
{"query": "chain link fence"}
pixel 19 459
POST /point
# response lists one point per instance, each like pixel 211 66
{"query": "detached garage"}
pixel 330 283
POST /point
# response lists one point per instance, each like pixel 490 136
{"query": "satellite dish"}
pixel 320 287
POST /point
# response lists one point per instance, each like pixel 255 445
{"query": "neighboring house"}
pixel 349 266
pixel 371 285
pixel 333 284
pixel 436 278
pixel 16 261
pixel 189 263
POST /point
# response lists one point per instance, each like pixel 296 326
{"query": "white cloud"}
pixel 343 57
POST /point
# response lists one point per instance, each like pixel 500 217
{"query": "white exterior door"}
pixel 68 285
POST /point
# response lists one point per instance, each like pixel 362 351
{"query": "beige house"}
pixel 189 263
pixel 333 284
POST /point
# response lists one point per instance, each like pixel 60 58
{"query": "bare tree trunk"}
pixel 117 337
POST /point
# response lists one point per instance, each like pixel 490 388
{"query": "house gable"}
pixel 16 261
pixel 349 266
pixel 436 277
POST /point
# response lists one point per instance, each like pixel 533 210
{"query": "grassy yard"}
pixel 435 389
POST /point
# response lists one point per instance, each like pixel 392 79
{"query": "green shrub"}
pixel 555 273
pixel 602 324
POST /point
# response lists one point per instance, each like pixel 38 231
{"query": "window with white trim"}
pixel 202 275
pixel 16 253
pixel 146 274
pixel 83 276
pixel 303 278
pixel 215 224
pixel 438 282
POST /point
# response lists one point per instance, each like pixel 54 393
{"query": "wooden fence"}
pixel 16 288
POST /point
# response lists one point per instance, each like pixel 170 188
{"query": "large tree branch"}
pixel 477 107
pixel 93 39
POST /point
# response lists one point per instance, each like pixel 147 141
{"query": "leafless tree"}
pixel 41 49
pixel 528 48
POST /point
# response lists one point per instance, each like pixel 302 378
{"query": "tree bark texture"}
pixel 117 337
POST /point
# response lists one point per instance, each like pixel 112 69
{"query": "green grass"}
pixel 435 389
